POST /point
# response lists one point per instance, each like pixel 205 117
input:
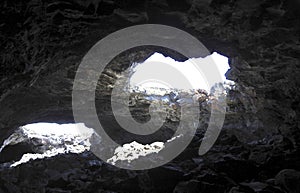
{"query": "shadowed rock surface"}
pixel 43 42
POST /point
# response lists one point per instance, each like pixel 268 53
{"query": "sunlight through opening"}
pixel 142 78
pixel 50 139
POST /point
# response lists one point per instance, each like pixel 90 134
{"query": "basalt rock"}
pixel 43 42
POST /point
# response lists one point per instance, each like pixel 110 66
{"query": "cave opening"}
pixel 43 42
pixel 149 83
pixel 41 140
pixel 150 76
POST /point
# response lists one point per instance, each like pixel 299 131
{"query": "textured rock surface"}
pixel 43 42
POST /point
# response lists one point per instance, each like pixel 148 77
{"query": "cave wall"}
pixel 43 42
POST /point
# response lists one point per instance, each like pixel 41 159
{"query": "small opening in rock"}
pixel 41 140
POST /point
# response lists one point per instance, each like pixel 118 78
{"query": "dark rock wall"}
pixel 43 42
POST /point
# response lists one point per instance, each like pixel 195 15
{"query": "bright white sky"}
pixel 164 72
pixel 78 133
pixel 56 129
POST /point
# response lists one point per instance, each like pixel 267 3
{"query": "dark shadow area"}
pixel 43 43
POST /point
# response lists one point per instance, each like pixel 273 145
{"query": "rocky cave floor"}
pixel 43 42
pixel 230 166
pixel 233 165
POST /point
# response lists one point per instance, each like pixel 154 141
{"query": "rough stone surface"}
pixel 43 42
